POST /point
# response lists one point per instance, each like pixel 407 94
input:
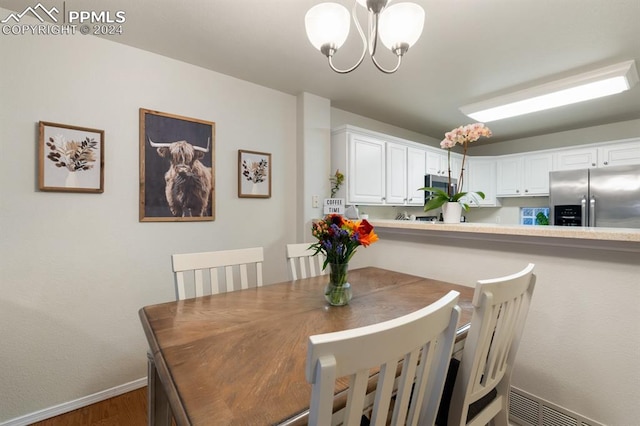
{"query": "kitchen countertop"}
pixel 613 238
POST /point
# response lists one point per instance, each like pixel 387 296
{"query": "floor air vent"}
pixel 529 410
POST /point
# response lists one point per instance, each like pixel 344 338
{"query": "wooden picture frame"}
pixel 70 158
pixel 177 168
pixel 254 174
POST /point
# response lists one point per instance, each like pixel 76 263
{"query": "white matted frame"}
pixel 254 174
pixel 71 158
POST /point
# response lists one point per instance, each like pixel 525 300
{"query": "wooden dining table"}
pixel 238 358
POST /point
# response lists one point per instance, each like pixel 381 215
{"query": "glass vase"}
pixel 338 291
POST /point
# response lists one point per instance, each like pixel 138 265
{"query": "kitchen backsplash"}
pixel 508 214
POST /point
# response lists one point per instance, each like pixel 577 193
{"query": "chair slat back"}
pixel 500 306
pixel 418 344
pixel 198 268
pixel 301 258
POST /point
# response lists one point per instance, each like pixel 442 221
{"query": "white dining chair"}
pixel 200 272
pixel 419 344
pixel 483 379
pixel 301 259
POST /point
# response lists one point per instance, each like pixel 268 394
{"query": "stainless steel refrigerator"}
pixel 608 196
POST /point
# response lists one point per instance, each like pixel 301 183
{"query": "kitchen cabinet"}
pixel 361 157
pixel 575 159
pixel 480 175
pixel 611 154
pixel 405 175
pixel 416 169
pixel 619 154
pixel 379 170
pixel 438 163
pixel 367 170
pixel 396 170
pixel 523 175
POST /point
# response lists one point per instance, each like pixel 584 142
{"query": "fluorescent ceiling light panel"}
pixel 582 87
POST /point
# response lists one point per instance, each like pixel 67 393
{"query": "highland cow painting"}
pixel 176 168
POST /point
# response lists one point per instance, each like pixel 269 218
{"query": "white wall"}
pixel 581 341
pixel 76 268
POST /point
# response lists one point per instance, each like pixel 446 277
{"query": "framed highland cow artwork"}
pixel 177 168
pixel 71 158
pixel 254 174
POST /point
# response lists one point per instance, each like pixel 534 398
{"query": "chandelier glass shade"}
pixel 398 27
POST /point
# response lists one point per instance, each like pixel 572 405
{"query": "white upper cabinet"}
pixel 405 175
pixel 385 170
pixel 362 159
pixel 620 154
pixel 600 155
pixel 523 174
pixel 416 169
pixel 378 170
pixel 396 190
pixel 480 176
pixel 437 163
pixel 367 160
pixel 574 159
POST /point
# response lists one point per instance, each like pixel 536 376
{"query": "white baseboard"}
pixel 56 410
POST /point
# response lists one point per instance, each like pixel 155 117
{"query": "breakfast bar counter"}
pixel 602 238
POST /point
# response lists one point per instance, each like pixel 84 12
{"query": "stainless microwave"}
pixel 440 182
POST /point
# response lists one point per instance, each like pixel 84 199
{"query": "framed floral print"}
pixel 71 158
pixel 254 174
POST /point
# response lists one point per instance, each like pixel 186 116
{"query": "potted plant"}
pixel 452 202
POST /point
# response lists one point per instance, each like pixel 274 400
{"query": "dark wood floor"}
pixel 129 409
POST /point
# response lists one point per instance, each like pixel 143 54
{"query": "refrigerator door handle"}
pixel 592 211
pixel 583 205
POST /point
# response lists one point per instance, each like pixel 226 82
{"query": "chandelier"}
pixel 398 26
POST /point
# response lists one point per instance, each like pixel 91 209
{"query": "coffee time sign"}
pixel 334 205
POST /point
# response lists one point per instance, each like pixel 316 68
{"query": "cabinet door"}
pixel 509 172
pixel 366 170
pixel 574 159
pixel 456 165
pixel 396 187
pixel 436 165
pixel 619 154
pixel 416 169
pixel 480 175
pixel 536 174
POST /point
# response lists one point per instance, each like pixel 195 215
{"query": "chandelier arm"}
pixel 384 70
pixel 364 45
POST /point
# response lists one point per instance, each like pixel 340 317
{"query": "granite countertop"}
pixel 564 232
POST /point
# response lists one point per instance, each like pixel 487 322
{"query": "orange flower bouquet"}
pixel 338 239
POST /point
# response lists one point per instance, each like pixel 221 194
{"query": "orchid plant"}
pixel 462 135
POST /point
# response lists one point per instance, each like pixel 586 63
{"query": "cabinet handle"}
pixel 526 190
pixel 517 191
pixel 606 162
pixel 593 164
